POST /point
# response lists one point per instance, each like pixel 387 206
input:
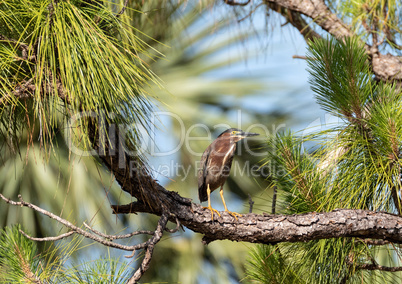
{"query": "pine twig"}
pixel 47 239
pixel 235 3
pixel 299 57
pixel 122 9
pixel 149 250
pixel 104 239
pixel 175 229
pixel 77 230
pixel 274 201
pixel 251 203
pixel 250 13
pixel 116 237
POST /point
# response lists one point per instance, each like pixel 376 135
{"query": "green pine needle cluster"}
pixel 381 16
pixel 21 262
pixel 60 58
pixel 102 271
pixel 296 172
pixel 267 264
pixel 356 164
pixel 340 77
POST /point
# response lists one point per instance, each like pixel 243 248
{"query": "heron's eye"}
pixel 233 132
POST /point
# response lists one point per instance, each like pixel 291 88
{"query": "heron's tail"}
pixel 202 193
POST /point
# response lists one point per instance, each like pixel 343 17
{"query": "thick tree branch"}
pixel 254 228
pixel 154 199
pixel 282 228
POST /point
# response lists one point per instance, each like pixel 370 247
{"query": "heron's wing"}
pixel 202 175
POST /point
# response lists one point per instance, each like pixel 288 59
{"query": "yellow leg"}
pixel 209 205
pixel 226 209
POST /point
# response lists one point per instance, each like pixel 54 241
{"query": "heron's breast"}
pixel 218 168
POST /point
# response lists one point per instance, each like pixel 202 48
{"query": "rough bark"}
pixel 387 67
pixel 270 229
pixel 318 11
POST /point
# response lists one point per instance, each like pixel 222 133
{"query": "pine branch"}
pixel 103 238
pixel 26 268
pixel 23 91
pixel 386 67
pixel 95 237
pixel 374 266
pixel 391 40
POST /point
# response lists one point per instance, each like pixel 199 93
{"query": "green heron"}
pixel 215 165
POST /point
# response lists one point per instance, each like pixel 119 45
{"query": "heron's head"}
pixel 236 134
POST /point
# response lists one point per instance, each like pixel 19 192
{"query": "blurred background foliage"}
pixel 184 52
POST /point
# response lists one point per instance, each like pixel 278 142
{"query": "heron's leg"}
pixel 224 204
pixel 209 204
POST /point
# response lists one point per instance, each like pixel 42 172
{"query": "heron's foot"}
pixel 212 212
pixel 234 214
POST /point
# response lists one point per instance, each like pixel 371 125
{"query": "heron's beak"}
pixel 249 134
